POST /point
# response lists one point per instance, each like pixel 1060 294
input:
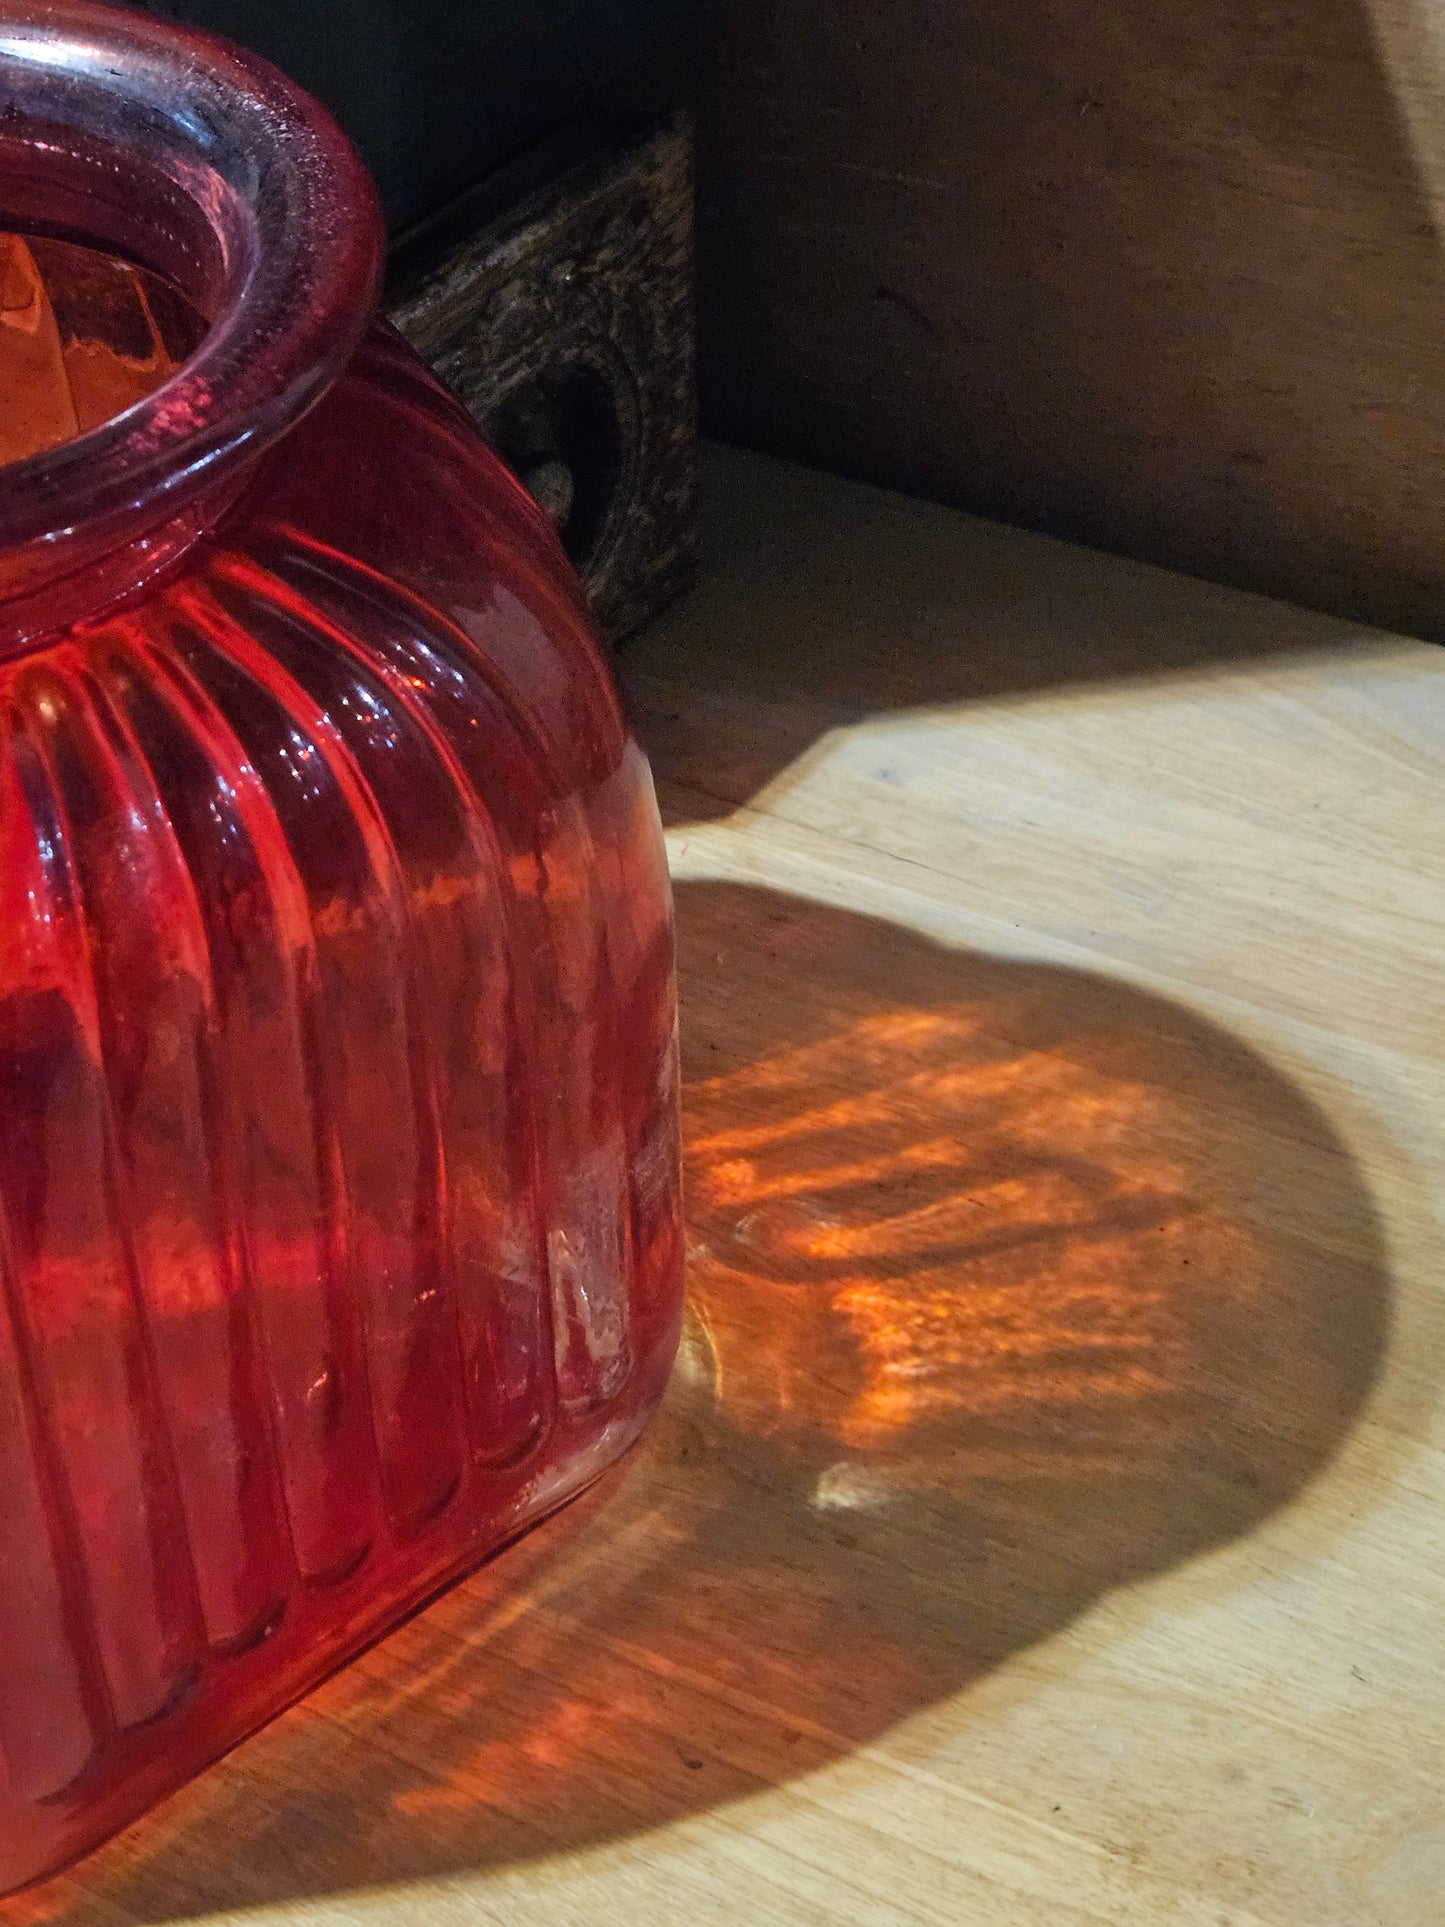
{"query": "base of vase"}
pixel 325 1627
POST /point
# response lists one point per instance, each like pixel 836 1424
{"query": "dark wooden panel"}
pixel 1157 274
pixel 556 299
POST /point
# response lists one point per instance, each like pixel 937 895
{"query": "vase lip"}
pixel 206 164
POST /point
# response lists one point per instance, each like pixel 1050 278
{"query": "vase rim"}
pixel 205 164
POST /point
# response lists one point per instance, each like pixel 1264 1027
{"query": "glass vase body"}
pixel 339 1215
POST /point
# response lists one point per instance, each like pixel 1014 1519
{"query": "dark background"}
pixel 1161 276
pixel 435 92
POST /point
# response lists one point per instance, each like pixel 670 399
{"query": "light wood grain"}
pixel 1047 1520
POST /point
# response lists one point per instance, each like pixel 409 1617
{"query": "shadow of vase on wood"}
pixel 1010 1286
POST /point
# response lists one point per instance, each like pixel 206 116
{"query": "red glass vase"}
pixel 339 1228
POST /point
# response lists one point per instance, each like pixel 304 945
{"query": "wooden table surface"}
pixel 1047 1520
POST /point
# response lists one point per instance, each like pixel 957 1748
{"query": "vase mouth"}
pixel 205 165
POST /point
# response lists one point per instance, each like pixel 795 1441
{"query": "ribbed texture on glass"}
pixel 338 1205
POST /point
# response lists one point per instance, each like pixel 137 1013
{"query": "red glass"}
pixel 339 1234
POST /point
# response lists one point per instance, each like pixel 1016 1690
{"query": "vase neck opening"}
pixel 233 218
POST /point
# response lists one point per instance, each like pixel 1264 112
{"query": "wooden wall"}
pixel 1161 275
